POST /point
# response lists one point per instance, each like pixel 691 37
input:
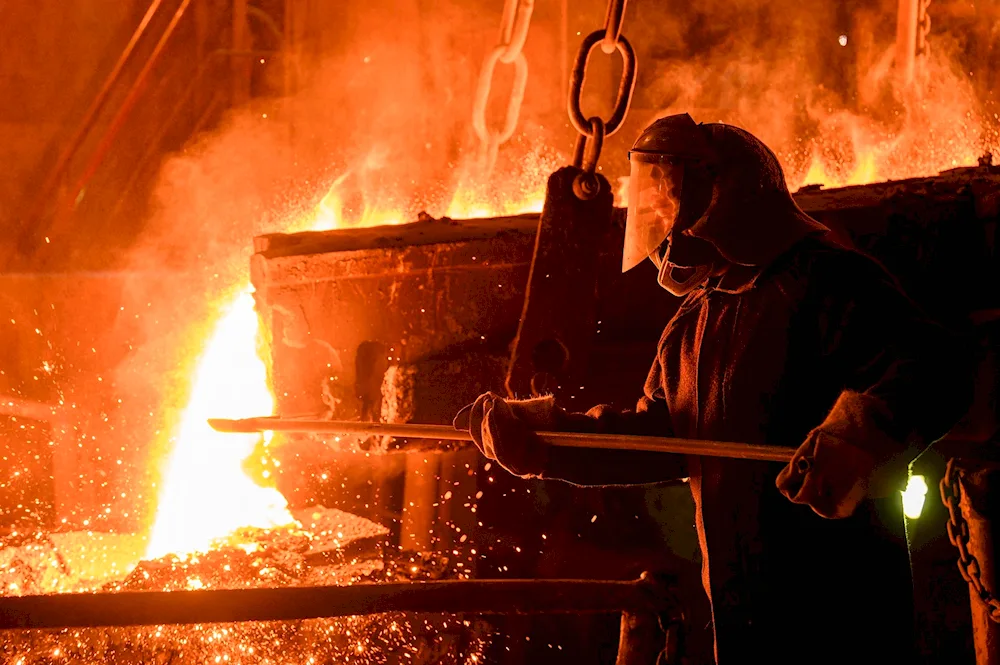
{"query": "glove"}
pixel 828 474
pixel 503 430
pixel 845 460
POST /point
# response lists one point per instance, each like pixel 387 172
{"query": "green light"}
pixel 913 496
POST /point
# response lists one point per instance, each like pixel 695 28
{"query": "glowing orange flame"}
pixel 864 172
pixel 467 205
pixel 518 190
pixel 205 493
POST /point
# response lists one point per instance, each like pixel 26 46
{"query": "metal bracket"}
pixel 556 330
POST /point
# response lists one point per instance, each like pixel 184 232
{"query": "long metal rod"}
pixel 907 18
pixel 130 608
pixel 563 439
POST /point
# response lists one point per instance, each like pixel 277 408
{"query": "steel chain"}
pixel 613 26
pixel 593 130
pixel 923 28
pixel 958 534
pixel 514 28
pixel 625 88
pixel 588 147
pixel 514 25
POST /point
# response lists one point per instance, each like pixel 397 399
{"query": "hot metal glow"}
pixel 206 494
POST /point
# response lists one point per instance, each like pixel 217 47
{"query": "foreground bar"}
pixel 564 439
pixel 223 606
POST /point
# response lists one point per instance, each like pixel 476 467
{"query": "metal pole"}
pixel 420 492
pixel 563 439
pixel 241 42
pixel 130 608
pixel 906 39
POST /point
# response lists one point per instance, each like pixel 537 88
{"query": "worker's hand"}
pixel 504 431
pixel 828 474
pixel 848 458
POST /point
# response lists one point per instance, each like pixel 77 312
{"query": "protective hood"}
pixel 752 218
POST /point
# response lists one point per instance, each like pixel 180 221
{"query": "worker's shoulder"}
pixel 820 258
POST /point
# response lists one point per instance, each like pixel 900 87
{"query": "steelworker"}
pixel 784 337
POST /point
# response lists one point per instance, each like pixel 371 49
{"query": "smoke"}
pixel 377 131
pixel 818 86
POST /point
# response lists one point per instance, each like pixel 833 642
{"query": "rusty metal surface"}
pixel 426 231
pixel 338 319
pixel 452 381
pixel 980 507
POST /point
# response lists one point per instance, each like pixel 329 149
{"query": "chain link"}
pixel 588 149
pixel 513 32
pixel 588 146
pixel 593 130
pixel 514 28
pixel 625 88
pixel 923 28
pixel 958 534
pixel 613 25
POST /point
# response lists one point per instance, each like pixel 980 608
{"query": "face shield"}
pixel 654 200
